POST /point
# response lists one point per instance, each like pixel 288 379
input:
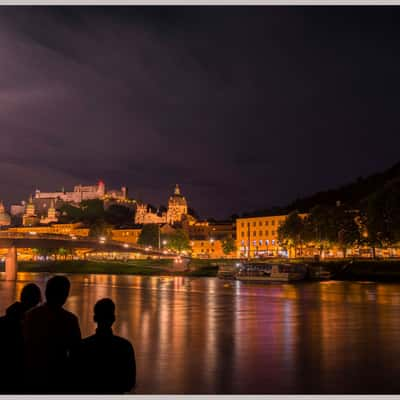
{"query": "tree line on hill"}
pixel 374 223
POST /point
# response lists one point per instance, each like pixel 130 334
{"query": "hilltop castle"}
pixel 81 193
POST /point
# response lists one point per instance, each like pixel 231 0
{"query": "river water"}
pixel 204 335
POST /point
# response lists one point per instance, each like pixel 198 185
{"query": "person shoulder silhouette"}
pixel 49 333
pixel 104 363
pixel 11 366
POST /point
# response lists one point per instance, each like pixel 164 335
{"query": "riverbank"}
pixel 347 269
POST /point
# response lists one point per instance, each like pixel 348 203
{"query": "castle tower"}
pixel 101 188
pixel 177 206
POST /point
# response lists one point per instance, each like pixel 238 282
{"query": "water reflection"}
pixel 212 336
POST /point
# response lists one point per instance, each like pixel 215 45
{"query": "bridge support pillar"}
pixel 11 264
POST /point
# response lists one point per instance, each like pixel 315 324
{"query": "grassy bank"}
pixel 134 267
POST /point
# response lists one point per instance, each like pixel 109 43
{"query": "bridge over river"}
pixel 14 240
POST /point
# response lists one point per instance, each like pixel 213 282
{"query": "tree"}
pixel 348 231
pixel 381 216
pixel 178 241
pixel 291 232
pixel 228 246
pixel 117 214
pixel 321 227
pixel 92 210
pixel 100 228
pixel 149 235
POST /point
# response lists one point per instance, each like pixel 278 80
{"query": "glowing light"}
pixel 33 233
pixel 126 245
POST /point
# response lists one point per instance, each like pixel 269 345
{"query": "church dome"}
pixel 5 219
pixel 177 198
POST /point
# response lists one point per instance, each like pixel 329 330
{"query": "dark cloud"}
pixel 246 107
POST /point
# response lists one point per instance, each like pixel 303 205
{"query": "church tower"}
pixel 30 218
pixel 177 206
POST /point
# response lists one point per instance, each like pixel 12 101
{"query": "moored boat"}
pixel 271 273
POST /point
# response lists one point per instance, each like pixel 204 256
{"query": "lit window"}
pixel 261 242
pixel 267 242
pixel 273 241
pixel 254 242
pixel 242 242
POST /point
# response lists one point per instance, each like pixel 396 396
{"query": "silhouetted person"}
pixel 104 363
pixel 11 340
pixel 49 333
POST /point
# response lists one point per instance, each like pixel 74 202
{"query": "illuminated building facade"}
pixel 208 249
pixel 258 236
pixel 5 219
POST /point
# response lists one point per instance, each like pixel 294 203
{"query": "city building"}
pixel 5 219
pixel 144 215
pixel 207 248
pixel 130 235
pixel 258 236
pixel 75 229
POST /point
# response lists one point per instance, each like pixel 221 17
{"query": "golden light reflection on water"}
pixel 212 336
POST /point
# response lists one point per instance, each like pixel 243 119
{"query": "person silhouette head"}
pixel 30 296
pixel 104 313
pixel 57 290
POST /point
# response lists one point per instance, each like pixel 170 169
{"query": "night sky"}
pixel 244 107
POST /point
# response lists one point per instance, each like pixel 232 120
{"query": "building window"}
pixel 266 233
pixel 260 223
pixel 242 224
pixel 273 241
pixel 242 242
pixel 267 242
pixel 272 222
pixel 266 223
pixel 254 223
pixel 261 242
pixel 272 233
pixel 254 233
pixel 260 233
pixel 242 234
pixel 254 242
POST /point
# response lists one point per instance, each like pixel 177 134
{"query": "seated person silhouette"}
pixel 11 365
pixel 49 333
pixel 104 363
